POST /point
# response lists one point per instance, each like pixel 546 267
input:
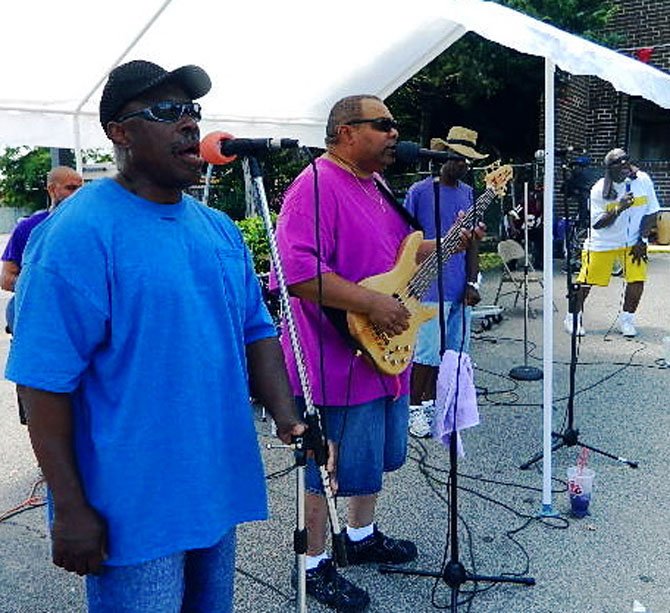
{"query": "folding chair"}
pixel 513 258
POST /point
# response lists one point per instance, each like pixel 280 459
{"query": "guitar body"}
pixel 392 355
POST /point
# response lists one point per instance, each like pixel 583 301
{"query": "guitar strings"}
pixel 422 279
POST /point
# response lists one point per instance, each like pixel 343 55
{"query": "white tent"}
pixel 277 67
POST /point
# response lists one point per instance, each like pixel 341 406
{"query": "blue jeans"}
pixel 457 335
pixel 9 315
pixel 371 439
pixel 194 581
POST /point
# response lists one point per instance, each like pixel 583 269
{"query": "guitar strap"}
pixel 338 317
pixel 385 191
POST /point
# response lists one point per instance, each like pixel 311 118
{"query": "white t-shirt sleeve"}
pixel 652 205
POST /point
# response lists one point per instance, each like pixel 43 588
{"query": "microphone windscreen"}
pixel 406 152
pixel 210 148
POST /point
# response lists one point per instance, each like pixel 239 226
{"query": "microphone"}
pixel 627 182
pixel 408 152
pixel 223 148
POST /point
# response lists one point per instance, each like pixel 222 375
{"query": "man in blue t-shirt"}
pixel 459 275
pixel 140 334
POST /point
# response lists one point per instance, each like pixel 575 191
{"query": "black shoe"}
pixel 380 549
pixel 330 588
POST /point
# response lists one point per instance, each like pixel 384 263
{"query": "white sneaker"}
pixel 567 324
pixel 626 326
pixel 418 422
pixel 429 411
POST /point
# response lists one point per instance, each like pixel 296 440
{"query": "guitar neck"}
pixel 427 271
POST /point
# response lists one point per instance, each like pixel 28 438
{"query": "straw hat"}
pixel 459 140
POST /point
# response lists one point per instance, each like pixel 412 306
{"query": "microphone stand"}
pixel 453 573
pixel 525 372
pixel 313 439
pixel 570 436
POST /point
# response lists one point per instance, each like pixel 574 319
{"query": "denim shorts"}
pixel 428 338
pixel 371 439
pixel 198 580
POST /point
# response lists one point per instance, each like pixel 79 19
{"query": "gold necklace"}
pixel 353 170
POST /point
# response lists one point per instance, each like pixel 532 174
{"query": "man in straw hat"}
pixel 460 272
pixel 623 213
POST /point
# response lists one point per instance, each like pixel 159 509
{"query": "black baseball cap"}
pixel 128 81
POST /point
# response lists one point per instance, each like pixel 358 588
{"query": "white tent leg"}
pixel 79 162
pixel 547 320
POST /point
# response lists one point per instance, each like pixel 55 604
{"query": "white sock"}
pixel 414 407
pixel 311 562
pixel 428 403
pixel 358 534
pixel 626 316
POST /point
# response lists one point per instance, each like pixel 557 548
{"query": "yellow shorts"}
pixel 597 267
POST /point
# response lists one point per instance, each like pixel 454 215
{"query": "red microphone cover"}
pixel 210 148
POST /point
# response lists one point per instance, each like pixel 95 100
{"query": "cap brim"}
pixel 193 79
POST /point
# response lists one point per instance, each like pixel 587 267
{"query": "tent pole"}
pixel 122 56
pixel 548 269
pixel 569 437
pixel 77 145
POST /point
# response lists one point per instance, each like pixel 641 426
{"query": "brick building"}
pixel 591 115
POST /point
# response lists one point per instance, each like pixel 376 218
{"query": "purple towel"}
pixel 456 395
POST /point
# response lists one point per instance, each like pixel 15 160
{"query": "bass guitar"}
pixel 408 281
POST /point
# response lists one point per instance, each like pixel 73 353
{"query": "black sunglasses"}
pixel 619 162
pixel 381 124
pixel 167 111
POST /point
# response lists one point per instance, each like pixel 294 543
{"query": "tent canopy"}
pixel 276 67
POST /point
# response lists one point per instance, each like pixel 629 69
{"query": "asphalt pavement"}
pixel 606 562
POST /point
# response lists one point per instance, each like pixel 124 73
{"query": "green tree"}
pixel 491 88
pixel 255 236
pixel 23 172
pixel 23 177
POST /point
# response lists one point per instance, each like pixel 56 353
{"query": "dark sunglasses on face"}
pixel 166 112
pixel 381 124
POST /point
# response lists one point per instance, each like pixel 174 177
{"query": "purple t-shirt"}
pixel 360 235
pixel 19 238
pixel 420 202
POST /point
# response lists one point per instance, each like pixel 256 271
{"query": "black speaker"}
pixel 64 157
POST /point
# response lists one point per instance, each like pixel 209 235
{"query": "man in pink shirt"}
pixel 364 412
